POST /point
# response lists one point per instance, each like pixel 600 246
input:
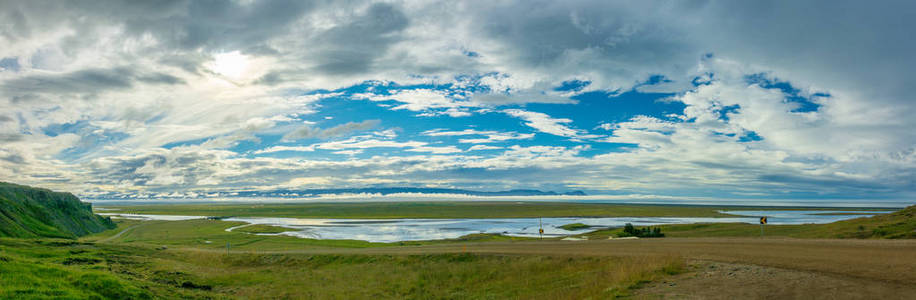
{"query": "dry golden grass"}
pixel 432 276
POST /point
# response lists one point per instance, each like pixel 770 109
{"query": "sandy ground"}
pixel 735 268
pixel 715 280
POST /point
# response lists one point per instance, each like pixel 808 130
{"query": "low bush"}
pixel 645 232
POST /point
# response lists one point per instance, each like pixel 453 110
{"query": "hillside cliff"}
pixel 27 212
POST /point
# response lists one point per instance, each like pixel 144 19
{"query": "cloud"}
pixel 483 147
pixel 525 96
pixel 351 47
pixel 367 143
pixel 498 137
pixel 491 136
pixel 122 96
pixel 543 122
pixel 13 158
pixel 418 99
pixel 332 132
pixel 436 150
pixel 273 149
pixel 85 81
pixel 7 137
pixel 300 182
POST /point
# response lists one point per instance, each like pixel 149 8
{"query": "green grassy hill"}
pixel 897 225
pixel 27 212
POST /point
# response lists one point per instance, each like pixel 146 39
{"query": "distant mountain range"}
pixel 399 190
pixel 27 212
pixel 306 193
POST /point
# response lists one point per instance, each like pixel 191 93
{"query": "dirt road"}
pixel 715 280
pixel 119 234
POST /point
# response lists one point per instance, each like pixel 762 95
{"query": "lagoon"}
pixel 396 230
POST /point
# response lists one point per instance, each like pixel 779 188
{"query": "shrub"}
pixel 645 232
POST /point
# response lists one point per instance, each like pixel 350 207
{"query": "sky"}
pixel 744 101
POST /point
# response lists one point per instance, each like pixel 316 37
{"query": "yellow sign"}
pixel 763 220
pixel 541 231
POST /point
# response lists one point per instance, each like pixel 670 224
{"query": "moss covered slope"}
pixel 27 212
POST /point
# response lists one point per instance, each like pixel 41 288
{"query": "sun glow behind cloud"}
pixel 231 64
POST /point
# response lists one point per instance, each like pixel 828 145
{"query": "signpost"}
pixel 763 221
pixel 540 229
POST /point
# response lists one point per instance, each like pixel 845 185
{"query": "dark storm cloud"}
pixel 10 137
pixel 827 43
pixel 825 183
pixel 835 44
pixel 160 78
pixel 544 33
pixel 13 158
pixel 220 25
pixel 210 24
pixel 351 48
pixel 84 81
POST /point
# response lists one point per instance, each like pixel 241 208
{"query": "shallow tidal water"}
pixel 396 230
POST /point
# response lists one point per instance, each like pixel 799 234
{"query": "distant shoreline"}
pixel 343 201
pixel 447 210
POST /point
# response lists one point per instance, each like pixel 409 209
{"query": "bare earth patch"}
pixel 717 280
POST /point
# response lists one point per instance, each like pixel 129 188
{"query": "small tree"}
pixel 630 230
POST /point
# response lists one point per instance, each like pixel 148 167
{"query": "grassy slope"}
pixel 390 210
pixel 32 212
pixel 65 269
pixel 68 269
pixel 900 224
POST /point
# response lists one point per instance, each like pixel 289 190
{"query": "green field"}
pixel 190 260
pixel 435 210
pixel 187 259
pixel 69 269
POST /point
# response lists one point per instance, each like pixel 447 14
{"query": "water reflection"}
pixel 395 230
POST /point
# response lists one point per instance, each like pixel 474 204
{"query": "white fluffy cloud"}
pixel 491 136
pixel 544 123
